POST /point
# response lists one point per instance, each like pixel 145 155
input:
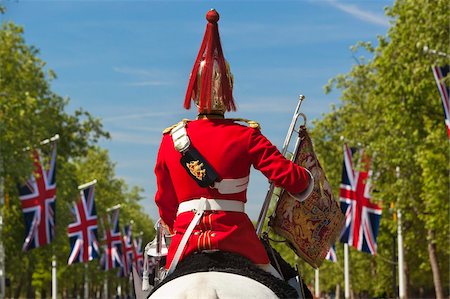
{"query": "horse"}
pixel 220 275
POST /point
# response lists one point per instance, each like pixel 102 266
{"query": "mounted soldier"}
pixel 203 166
pixel 202 173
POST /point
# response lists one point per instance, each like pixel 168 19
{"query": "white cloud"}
pixel 146 77
pixel 133 71
pixel 355 11
pixel 270 106
pixel 137 116
pixel 135 139
pixel 148 83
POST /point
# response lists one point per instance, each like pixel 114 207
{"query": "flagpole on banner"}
pixel 113 208
pixel 346 272
pixel 84 186
pixel 51 139
pixel 401 267
pixel 435 52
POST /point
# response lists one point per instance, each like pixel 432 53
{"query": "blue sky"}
pixel 128 63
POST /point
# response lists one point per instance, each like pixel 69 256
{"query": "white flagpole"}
pixel 54 279
pixel 435 52
pixel 105 288
pixel 119 290
pixel 346 272
pixel 401 267
pixel 316 284
pixel 84 186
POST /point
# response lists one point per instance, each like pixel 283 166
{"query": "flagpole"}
pixel 119 290
pixel 105 283
pixel 2 251
pixel 401 267
pixel 130 275
pixel 54 279
pixel 54 269
pixel 346 271
pixel 84 186
pixel 86 282
pixel 105 288
pixel 316 283
pixel 435 52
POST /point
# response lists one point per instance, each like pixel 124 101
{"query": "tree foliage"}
pixel 29 113
pixel 391 107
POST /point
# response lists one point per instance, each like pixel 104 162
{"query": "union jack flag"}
pixel 362 218
pixel 127 247
pixel 37 198
pixel 112 251
pixel 138 256
pixel 439 74
pixel 83 232
pixel 331 255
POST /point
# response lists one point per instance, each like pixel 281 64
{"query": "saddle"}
pixel 220 261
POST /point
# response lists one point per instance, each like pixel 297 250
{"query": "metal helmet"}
pixel 211 82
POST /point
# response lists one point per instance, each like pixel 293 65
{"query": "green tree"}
pixel 390 105
pixel 29 113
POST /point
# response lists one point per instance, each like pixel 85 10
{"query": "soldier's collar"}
pixel 210 116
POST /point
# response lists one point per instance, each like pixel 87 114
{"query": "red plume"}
pixel 210 49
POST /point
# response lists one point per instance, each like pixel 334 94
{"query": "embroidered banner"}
pixel 311 226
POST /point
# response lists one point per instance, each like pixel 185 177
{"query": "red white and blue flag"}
pixel 37 198
pixel 138 256
pixel 127 251
pixel 362 218
pixel 82 233
pixel 331 255
pixel 439 74
pixel 112 242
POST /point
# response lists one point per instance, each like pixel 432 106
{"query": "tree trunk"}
pixel 19 287
pixel 30 289
pixel 434 266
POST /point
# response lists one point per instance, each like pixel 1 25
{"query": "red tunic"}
pixel 231 149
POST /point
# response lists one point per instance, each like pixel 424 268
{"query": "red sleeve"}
pixel 283 173
pixel 165 197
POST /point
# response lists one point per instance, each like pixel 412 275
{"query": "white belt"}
pixel 200 206
pixel 212 205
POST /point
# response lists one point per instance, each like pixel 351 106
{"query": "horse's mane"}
pixel 230 263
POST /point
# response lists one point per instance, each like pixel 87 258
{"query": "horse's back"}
pixel 212 285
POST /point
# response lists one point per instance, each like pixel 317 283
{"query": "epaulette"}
pixel 169 129
pixel 251 123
